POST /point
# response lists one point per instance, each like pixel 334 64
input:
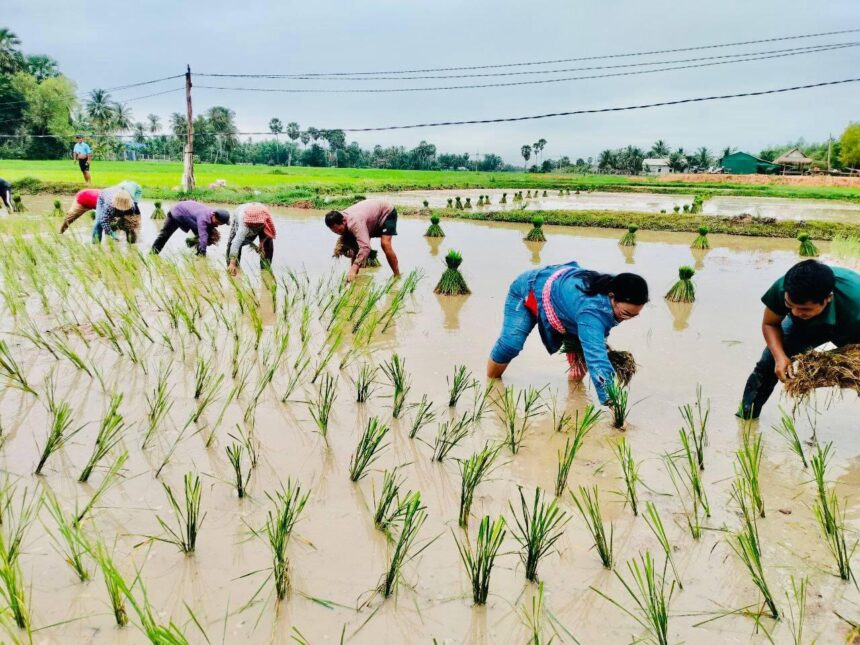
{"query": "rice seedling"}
pixel 321 406
pixel 655 523
pixel 516 412
pixel 537 530
pixel 114 583
pixel 434 230
pixel 533 617
pixel 701 242
pixel 683 290
pixel 109 480
pixel 588 504
pixel 459 383
pixel 650 594
pixel 12 371
pixel 158 212
pixel 187 515
pixel 235 452
pixel 16 519
pixel 797 609
pixel 561 419
pixel 385 505
pixel 819 461
pixel 110 434
pixel 203 374
pixel 618 399
pixel 452 282
pixel 368 448
pixel 807 248
pixel 395 370
pixel 697 427
pixel 749 465
pixel 424 414
pixel 158 633
pixel 412 520
pixel 746 544
pixel 481 399
pixel 299 368
pixel 211 388
pixel 289 503
pixel 846 247
pixel 62 346
pixel 449 435
pixel 693 512
pixel 536 233
pixel 472 472
pixel 566 456
pixel 694 476
pixel 630 473
pixel 629 238
pixel 830 516
pixel 365 382
pixel 18 204
pixel 60 430
pixel 787 431
pixel 74 545
pixel 12 590
pixel 479 561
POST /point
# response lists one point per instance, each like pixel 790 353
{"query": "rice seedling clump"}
pixel 158 212
pixel 683 290
pixel 536 233
pixel 807 248
pixel 838 368
pixel 452 282
pixel 701 242
pixel 629 238
pixel 58 209
pixel 434 230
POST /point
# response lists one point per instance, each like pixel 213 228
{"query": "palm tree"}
pixel 305 138
pixel 293 132
pixel 728 150
pixel 100 109
pixel 526 152
pixel 703 158
pixel 678 160
pixel 178 125
pixel 606 161
pixel 222 123
pixel 139 132
pixel 538 147
pixel 659 149
pixel 122 117
pixel 10 58
pixel 154 123
pixel 276 127
pixel 42 67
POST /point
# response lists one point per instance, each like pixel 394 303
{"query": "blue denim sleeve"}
pixel 592 336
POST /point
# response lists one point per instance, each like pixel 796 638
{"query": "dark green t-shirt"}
pixel 842 314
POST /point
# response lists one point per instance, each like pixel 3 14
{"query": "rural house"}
pixel 656 166
pixel 743 163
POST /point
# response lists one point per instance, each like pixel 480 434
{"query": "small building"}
pixel 743 163
pixel 795 160
pixel 656 166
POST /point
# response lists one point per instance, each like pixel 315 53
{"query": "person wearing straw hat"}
pixel 200 220
pixel 112 205
pixel 85 201
pixel 83 154
pixel 810 305
pixel 251 222
pixel 130 223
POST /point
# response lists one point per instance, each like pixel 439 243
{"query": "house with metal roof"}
pixel 656 166
pixel 743 163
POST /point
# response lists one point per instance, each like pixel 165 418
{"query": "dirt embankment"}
pixel 764 180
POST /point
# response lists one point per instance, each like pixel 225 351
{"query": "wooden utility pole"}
pixel 829 149
pixel 188 157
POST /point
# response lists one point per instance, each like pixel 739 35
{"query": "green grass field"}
pixel 280 185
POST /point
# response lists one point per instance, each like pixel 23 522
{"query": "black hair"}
pixel 809 281
pixel 333 217
pixel 625 287
pixel 222 215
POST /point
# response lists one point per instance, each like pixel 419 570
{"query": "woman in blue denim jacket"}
pixel 567 300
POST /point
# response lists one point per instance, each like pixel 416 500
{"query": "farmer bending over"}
pixel 199 219
pixel 85 201
pixel 364 220
pixel 112 206
pixel 251 222
pixel 6 195
pixel 567 300
pixel 807 307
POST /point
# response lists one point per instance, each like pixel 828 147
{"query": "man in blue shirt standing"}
pixel 83 154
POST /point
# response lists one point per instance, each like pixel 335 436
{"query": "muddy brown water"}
pixel 793 209
pixel 337 556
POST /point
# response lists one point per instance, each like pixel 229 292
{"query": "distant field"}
pixel 286 185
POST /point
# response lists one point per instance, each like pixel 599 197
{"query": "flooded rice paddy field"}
pixel 790 209
pixel 336 556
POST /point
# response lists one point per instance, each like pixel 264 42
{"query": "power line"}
pixel 543 81
pixel 808 48
pixel 565 60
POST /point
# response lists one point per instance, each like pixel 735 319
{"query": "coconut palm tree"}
pixel 139 132
pixel 293 132
pixel 100 109
pixel 526 152
pixel 178 125
pixel 154 123
pixel 10 58
pixel 659 149
pixel 606 161
pixel 276 127
pixel 305 138
pixel 703 158
pixel 538 147
pixel 42 67
pixel 678 161
pixel 123 118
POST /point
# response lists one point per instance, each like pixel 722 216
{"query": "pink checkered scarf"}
pixel 551 316
pixel 256 213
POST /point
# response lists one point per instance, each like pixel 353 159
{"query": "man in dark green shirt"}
pixel 811 305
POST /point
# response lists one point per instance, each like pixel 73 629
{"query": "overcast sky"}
pixel 105 43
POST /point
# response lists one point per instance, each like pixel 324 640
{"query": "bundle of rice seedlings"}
pixel 452 282
pixel 701 242
pixel 537 530
pixel 458 204
pixel 434 230
pixel 528 194
pixel 487 201
pixel 686 208
pixel 372 260
pixel 426 203
pixel 368 448
pixel 18 205
pixel 480 560
pixel 468 203
pixel 630 473
pixel 58 209
pixel 807 248
pixel 622 361
pixel 838 367
pixel 450 203
pixel 413 519
pixel 480 200
pixel 504 199
pixel 536 234
pixel 683 290
pixel 588 504
pixel 629 238
pixel 544 193
pixel 158 212
pixel 676 208
pixel 472 472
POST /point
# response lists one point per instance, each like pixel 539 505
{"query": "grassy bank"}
pixel 292 185
pixel 752 227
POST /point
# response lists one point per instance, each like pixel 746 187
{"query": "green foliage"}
pixel 537 530
pixel 807 248
pixel 479 560
pixel 683 290
pixel 849 143
pixel 629 238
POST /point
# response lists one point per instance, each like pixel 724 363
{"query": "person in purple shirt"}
pixel 190 216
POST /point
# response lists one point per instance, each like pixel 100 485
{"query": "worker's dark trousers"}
pixel 169 228
pixel 796 340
